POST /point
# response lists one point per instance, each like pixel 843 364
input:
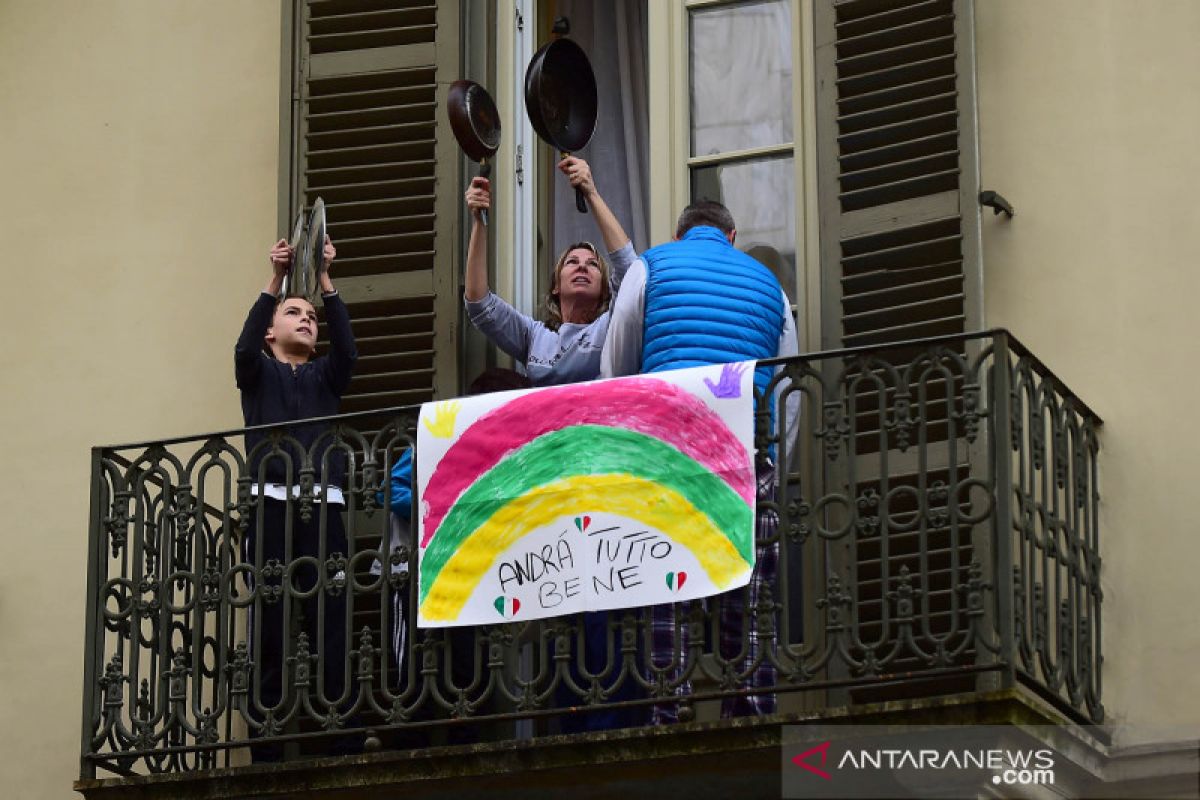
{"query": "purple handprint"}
pixel 731 382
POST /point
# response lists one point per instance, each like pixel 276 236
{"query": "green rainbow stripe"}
pixel 586 450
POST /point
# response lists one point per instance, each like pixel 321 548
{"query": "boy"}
pixel 282 385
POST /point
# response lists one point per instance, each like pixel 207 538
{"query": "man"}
pixel 692 302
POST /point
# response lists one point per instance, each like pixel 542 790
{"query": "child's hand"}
pixel 329 253
pixel 281 257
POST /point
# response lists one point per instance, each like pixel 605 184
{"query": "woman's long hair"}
pixel 552 316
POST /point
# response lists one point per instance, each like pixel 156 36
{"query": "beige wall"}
pixel 138 155
pixel 1089 113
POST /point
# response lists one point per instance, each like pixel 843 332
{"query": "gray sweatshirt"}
pixel 568 355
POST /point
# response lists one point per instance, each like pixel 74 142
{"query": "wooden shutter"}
pixel 897 185
pixel 897 170
pixel 372 141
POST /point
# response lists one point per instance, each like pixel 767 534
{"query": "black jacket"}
pixel 274 392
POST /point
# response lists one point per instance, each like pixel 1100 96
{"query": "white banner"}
pixel 609 494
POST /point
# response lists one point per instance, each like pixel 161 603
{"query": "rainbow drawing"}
pixel 655 458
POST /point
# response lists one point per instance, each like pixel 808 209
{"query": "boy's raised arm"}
pixel 342 350
pixel 247 353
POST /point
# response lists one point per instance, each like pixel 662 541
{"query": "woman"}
pixel 564 345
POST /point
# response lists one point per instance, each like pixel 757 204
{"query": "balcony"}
pixel 937 548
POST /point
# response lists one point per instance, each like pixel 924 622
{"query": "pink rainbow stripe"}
pixel 648 406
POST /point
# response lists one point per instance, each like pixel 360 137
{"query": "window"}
pixel 742 119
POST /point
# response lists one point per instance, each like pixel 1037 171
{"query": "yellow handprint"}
pixel 441 422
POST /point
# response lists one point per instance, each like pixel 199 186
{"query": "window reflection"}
pixel 761 195
pixel 741 77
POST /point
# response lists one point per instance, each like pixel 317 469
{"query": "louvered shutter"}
pixel 372 142
pixel 897 174
pixel 899 252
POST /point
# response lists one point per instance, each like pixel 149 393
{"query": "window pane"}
pixel 741 75
pixel 761 195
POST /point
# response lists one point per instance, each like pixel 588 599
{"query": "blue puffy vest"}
pixel 706 302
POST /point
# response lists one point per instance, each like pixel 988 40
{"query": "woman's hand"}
pixel 579 174
pixel 479 197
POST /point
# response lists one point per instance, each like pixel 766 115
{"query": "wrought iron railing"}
pixel 936 532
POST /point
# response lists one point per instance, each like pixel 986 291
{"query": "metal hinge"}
pixel 520 19
pixel 520 165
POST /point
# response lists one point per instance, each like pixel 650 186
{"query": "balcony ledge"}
pixel 633 762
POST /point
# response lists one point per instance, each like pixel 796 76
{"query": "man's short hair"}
pixel 705 212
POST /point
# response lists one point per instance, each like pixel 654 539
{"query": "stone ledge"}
pixel 737 757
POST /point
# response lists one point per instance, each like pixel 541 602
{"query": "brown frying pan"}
pixel 475 123
pixel 560 99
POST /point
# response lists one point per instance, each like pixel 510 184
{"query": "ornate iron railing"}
pixel 934 527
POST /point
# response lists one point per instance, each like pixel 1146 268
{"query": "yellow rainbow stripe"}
pixel 626 495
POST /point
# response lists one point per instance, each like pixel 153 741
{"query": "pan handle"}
pixel 485 171
pixel 580 202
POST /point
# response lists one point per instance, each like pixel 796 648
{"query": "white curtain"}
pixel 613 34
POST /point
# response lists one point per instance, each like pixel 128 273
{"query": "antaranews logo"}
pixel 802 760
pixel 878 764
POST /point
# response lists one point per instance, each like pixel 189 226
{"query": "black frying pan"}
pixel 475 123
pixel 560 98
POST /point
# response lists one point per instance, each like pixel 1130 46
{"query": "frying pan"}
pixel 560 98
pixel 475 123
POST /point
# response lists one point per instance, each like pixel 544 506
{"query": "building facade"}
pixel 154 151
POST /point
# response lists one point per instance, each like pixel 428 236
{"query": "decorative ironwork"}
pixel 937 510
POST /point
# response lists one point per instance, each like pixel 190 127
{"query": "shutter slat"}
pixel 386 345
pixel 896 75
pixel 346 174
pixel 914 107
pixel 395 362
pixel 875 62
pixel 903 131
pixel 412 150
pixel 371 98
pixel 408 380
pixel 918 186
pixel 382 245
pixel 333 121
pixel 925 309
pixel 898 151
pixel 372 19
pixel 374 209
pixel 884 173
pixel 320 140
pixel 905 293
pixel 374 190
pixel 925 328
pixel 894 95
pixel 893 251
pixel 857 18
pixel 888 38
pixel 376 265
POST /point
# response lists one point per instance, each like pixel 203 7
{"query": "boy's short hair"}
pixel 705 212
pixel 280 299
